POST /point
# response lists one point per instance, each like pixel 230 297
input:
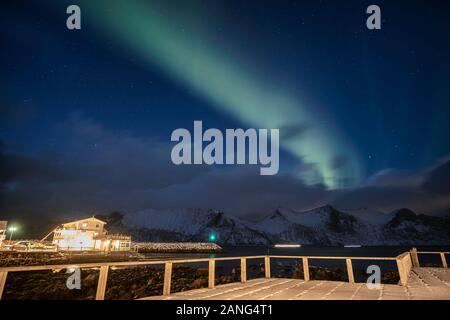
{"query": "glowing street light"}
pixel 212 237
pixel 11 230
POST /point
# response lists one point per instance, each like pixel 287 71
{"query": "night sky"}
pixel 86 115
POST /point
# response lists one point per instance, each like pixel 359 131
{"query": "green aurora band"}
pixel 192 60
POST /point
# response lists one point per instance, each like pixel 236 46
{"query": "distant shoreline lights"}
pixel 288 246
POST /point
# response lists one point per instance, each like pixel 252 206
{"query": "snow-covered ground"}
pixel 177 247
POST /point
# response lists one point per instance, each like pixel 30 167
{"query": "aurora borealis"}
pixel 228 85
pixel 87 114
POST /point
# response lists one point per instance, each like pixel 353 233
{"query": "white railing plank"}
pixel 351 276
pixel 102 281
pixel 211 273
pixel 3 276
pixel 267 267
pixel 243 270
pixel 167 278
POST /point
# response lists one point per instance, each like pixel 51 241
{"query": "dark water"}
pixel 375 251
pixel 278 265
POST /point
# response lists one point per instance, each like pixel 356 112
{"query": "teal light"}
pixel 212 237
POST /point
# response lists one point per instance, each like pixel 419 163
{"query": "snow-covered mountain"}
pixel 321 226
pixel 190 225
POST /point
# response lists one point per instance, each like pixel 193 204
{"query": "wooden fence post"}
pixel 351 277
pixel 3 276
pixel 415 258
pixel 267 267
pixel 102 280
pixel 401 272
pixel 211 271
pixel 444 261
pixel 243 270
pixel 305 269
pixel 167 278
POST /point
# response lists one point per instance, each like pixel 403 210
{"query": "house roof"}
pixel 87 219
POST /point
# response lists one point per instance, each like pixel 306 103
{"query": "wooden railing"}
pixel 415 257
pixel 403 264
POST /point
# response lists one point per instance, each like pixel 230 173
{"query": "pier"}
pixel 423 284
pixel 415 282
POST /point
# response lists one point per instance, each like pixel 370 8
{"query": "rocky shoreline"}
pixel 15 259
pixel 178 247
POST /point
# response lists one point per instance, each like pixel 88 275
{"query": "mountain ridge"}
pixel 325 225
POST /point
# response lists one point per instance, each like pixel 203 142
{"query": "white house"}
pixel 89 235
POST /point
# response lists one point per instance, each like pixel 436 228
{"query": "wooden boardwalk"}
pixel 415 282
pixel 423 284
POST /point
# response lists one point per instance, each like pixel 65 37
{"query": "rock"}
pixel 199 283
pixel 203 272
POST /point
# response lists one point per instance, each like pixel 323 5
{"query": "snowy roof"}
pixel 83 220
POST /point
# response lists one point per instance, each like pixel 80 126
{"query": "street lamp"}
pixel 11 230
pixel 212 237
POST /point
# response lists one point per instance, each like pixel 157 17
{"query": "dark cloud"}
pixel 387 199
pixel 243 191
pixel 395 178
pixel 98 171
pixel 437 181
pixel 102 171
pixel 292 131
pixel 339 162
pixel 16 114
pixel 425 191
pixel 14 167
pixel 125 185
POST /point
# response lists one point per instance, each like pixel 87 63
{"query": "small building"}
pixel 89 235
pixel 3 225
